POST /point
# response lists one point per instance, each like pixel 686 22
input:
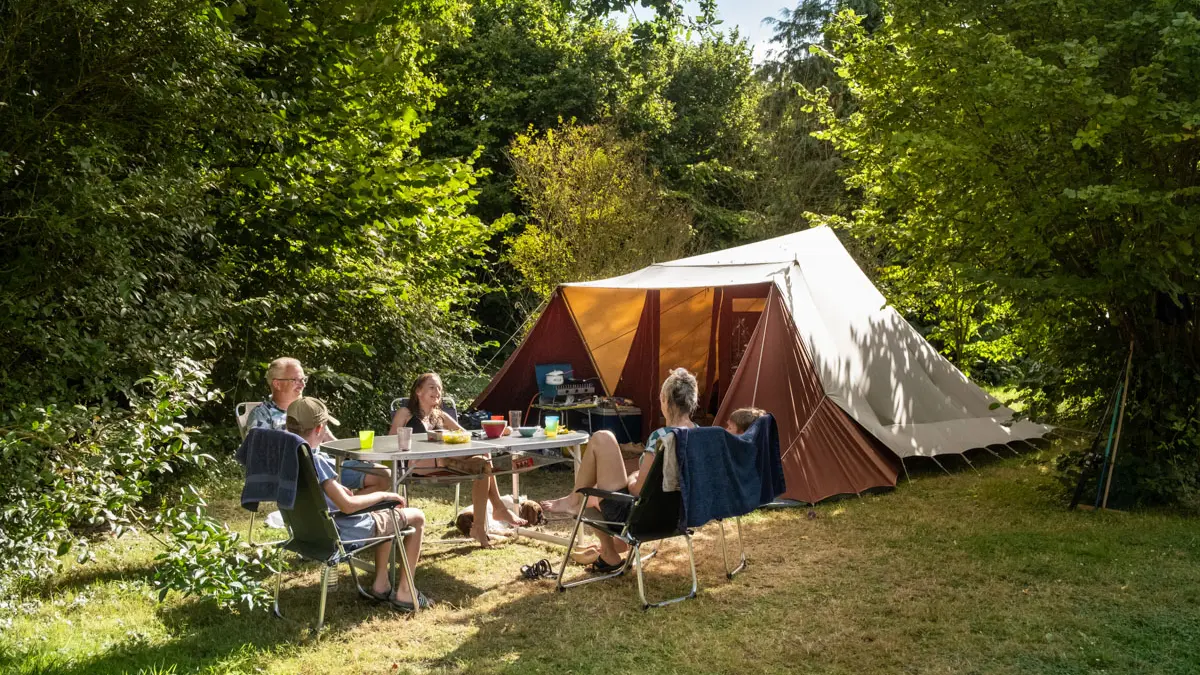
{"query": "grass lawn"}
pixel 975 572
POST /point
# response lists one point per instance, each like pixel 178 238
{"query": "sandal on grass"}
pixel 538 570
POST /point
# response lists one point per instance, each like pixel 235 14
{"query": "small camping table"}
pixel 386 451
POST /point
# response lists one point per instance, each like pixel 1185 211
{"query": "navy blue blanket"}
pixel 270 458
pixel 722 475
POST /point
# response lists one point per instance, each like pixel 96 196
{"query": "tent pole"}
pixel 963 454
pixel 994 453
pixel 935 461
pixel 907 478
pixel 1121 418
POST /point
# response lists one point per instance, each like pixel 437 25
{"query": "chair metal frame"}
pixel 313 535
pixel 654 516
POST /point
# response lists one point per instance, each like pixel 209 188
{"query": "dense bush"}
pixel 74 471
pixel 225 183
pixel 206 559
pixel 1040 160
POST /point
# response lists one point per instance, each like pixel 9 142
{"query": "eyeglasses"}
pixel 302 380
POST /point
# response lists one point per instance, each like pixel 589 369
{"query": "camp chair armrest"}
pixel 381 506
pixel 606 494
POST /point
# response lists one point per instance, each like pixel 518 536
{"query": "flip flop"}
pixel 601 567
pixel 385 596
pixel 422 600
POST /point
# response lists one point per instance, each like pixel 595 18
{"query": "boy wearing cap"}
pixel 307 417
pixel 285 377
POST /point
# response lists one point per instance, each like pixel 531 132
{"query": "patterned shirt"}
pixel 267 415
pixel 652 442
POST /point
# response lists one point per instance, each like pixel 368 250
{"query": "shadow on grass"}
pixel 83 577
pixel 602 627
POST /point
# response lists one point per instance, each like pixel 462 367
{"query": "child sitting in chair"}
pixel 307 418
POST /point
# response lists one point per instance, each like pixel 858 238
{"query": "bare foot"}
pixel 585 556
pixel 560 505
pixel 508 517
pixel 486 540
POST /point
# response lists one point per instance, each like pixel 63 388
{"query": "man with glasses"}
pixel 285 377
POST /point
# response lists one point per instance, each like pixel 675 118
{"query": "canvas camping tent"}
pixel 791 325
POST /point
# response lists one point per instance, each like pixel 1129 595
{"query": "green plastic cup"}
pixel 366 440
pixel 551 426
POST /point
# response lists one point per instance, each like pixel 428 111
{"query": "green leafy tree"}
pixel 698 117
pixel 350 250
pixel 1047 154
pixel 191 182
pixel 595 208
pixel 108 264
pixel 523 63
pixel 798 173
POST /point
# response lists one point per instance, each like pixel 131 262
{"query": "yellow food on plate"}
pixel 456 437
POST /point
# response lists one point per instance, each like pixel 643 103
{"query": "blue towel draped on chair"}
pixel 271 467
pixel 723 476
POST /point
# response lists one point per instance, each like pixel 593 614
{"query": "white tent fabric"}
pixel 870 361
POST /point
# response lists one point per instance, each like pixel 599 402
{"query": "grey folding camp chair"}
pixel 655 515
pixel 451 409
pixel 242 413
pixel 313 536
pixel 448 406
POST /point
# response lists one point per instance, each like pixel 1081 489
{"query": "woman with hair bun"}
pixel 603 467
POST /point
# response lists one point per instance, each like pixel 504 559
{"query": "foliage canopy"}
pixel 1045 155
pixel 595 209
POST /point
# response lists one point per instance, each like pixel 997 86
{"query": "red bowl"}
pixel 494 428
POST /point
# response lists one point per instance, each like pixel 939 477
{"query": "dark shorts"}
pixel 614 510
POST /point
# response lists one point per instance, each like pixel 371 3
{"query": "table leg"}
pixel 576 455
pixel 396 542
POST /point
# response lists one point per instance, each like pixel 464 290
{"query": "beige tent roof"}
pixel 869 360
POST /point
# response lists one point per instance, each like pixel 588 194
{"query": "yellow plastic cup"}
pixel 366 440
pixel 551 426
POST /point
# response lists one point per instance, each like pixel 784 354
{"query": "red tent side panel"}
pixel 824 452
pixel 554 339
pixel 639 376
